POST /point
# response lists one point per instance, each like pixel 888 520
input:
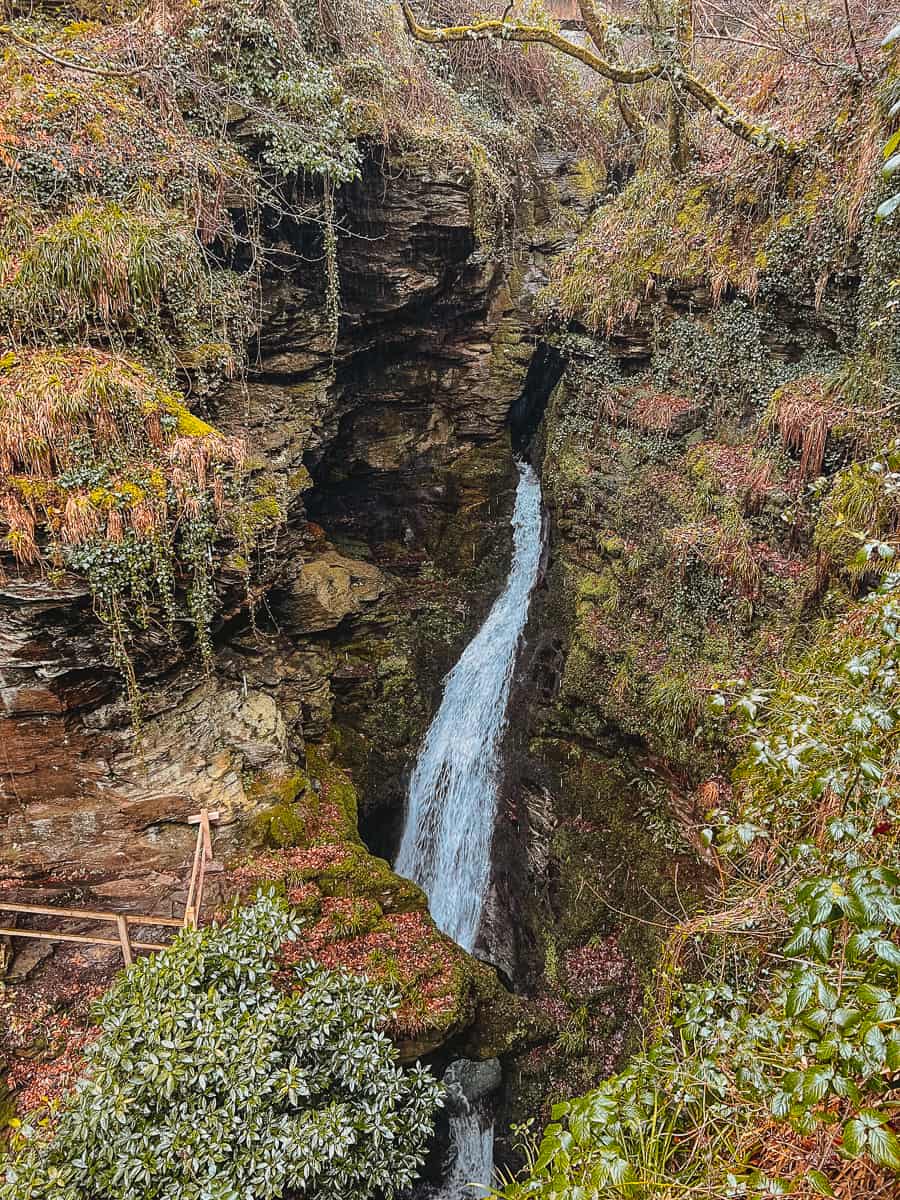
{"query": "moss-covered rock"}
pixel 360 914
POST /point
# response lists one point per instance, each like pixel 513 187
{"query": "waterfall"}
pixel 446 846
pixel 452 802
pixel 472 1139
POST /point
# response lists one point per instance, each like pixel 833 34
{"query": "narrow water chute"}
pixel 452 802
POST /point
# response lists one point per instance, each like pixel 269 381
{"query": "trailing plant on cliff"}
pixel 211 1080
pixel 107 474
pixel 139 160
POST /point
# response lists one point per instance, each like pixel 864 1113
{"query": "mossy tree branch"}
pixel 599 25
pixel 682 54
pixel 673 68
pixel 505 31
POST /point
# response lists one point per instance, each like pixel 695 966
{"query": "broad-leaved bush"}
pixel 214 1078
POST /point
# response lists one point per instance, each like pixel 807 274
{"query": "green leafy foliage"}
pixel 822 1048
pixel 805 1034
pixel 891 166
pixel 212 1082
pixel 860 518
pixel 259 59
pixel 815 787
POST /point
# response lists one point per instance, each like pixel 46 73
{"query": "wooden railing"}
pixel 203 855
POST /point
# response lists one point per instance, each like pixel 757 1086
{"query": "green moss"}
pixel 612 545
pixel 186 424
pixel 279 825
pixel 336 787
pixel 285 820
pixel 360 874
pixel 601 589
pixel 364 916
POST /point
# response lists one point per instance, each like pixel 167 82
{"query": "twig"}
pixel 853 44
pixel 74 66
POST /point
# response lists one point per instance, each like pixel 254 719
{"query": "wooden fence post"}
pixel 124 939
pixel 207 834
pixel 203 854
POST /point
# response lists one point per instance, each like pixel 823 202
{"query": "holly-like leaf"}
pixel 800 940
pixel 819 1183
pixel 887 208
pixel 816 1084
pixel 855 1137
pixel 887 952
pixel 822 942
pixel 801 993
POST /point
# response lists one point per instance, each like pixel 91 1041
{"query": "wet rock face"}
pixel 410 235
pixel 52 667
pixel 395 443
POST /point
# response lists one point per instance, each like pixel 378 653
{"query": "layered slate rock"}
pixel 394 440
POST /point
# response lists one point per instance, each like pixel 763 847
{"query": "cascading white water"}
pixel 452 804
pixel 446 846
pixel 471 1133
pixel 472 1139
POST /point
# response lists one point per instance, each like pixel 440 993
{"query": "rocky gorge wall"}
pixel 392 457
pixel 402 429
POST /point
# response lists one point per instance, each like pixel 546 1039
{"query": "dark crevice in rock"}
pixel 527 412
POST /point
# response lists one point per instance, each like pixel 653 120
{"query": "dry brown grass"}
pixel 724 547
pixel 398 90
pixel 657 412
pixel 758 913
pixel 91 444
pixel 804 413
pixel 782 1153
pixel 740 471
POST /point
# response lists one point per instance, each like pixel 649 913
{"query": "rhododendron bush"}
pixel 209 1082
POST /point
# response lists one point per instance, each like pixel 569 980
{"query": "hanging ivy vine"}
pixel 107 474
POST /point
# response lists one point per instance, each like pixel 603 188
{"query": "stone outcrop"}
pixel 390 455
pixel 329 589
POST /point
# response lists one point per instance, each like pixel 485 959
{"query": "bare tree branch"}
pixel 672 69
pixel 73 64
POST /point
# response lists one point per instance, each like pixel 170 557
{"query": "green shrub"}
pixel 815 783
pixel 819 1050
pixel 209 1082
pixel 794 1026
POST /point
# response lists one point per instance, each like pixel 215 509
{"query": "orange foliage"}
pixel 78 408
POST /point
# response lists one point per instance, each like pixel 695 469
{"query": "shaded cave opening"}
pixel 527 410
